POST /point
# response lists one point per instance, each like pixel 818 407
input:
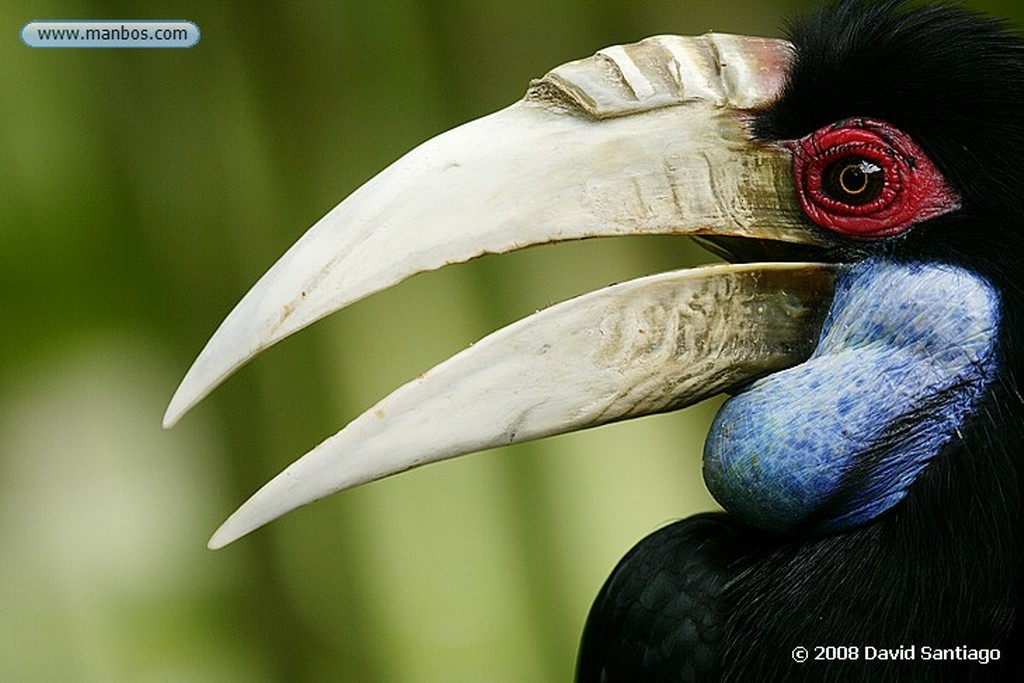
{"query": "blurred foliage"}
pixel 141 193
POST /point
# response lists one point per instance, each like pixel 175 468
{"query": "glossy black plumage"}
pixel 944 567
pixel 663 606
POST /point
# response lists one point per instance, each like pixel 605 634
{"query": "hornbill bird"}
pixel 863 182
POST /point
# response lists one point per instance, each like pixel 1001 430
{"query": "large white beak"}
pixel 648 138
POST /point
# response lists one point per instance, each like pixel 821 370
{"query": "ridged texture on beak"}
pixel 648 138
pixel 645 346
pixel 639 139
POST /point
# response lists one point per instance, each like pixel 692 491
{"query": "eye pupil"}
pixel 853 180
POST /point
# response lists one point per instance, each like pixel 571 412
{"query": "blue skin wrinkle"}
pixel 905 355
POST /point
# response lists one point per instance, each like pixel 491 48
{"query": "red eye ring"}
pixel 901 185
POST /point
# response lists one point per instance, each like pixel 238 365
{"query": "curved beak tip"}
pixel 648 138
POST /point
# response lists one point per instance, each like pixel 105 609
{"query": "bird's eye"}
pixel 864 178
pixel 853 180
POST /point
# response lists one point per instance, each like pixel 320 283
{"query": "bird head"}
pixel 862 182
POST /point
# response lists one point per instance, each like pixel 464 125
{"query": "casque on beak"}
pixel 649 138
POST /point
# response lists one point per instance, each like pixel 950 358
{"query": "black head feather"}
pixel 951 79
pixel 947 563
pixel 945 567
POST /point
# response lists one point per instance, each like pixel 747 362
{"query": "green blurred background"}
pixel 141 193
